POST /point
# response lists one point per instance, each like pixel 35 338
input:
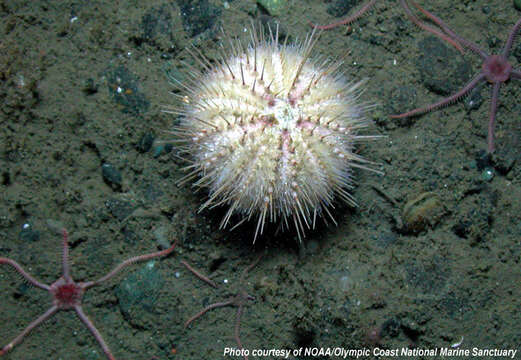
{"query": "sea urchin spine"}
pixel 271 132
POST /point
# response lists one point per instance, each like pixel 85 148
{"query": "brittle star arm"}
pixel 65 256
pixel 52 310
pixel 428 28
pixel 452 35
pixel 199 275
pixel 347 20
pixel 511 37
pixel 238 320
pixel 85 319
pixel 128 262
pixel 208 308
pixel 24 273
pixel 237 332
pixel 448 100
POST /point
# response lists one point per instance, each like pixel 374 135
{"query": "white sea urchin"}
pixel 270 132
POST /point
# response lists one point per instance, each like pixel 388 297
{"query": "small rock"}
pixel 391 327
pixel 423 211
pixel 161 236
pixel 505 156
pixel 273 7
pixel 28 233
pixel 198 16
pixel 158 149
pixel 146 141
pixel 111 176
pixel 159 25
pixel 90 87
pixel 138 293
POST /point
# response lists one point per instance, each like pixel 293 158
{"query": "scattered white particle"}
pixel 177 274
pixel 73 19
pixel 395 62
pixel 149 60
pixel 226 5
pixel 119 90
pixel 26 226
pixel 129 53
pixel 355 63
pixel 225 281
pixel 21 81
pixel 245 30
pixel 458 344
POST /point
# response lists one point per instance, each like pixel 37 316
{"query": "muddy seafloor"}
pixel 430 256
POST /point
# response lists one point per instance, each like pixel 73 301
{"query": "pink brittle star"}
pixel 495 69
pixel 369 5
pixel 68 295
pixel 238 300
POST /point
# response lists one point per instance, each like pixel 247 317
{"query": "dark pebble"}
pixel 90 87
pixel 29 234
pixel 145 143
pixel 111 176
pixel 198 16
pixel 391 327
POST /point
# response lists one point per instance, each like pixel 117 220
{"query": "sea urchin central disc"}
pixel 270 132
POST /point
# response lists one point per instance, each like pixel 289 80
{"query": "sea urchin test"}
pixel 270 132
